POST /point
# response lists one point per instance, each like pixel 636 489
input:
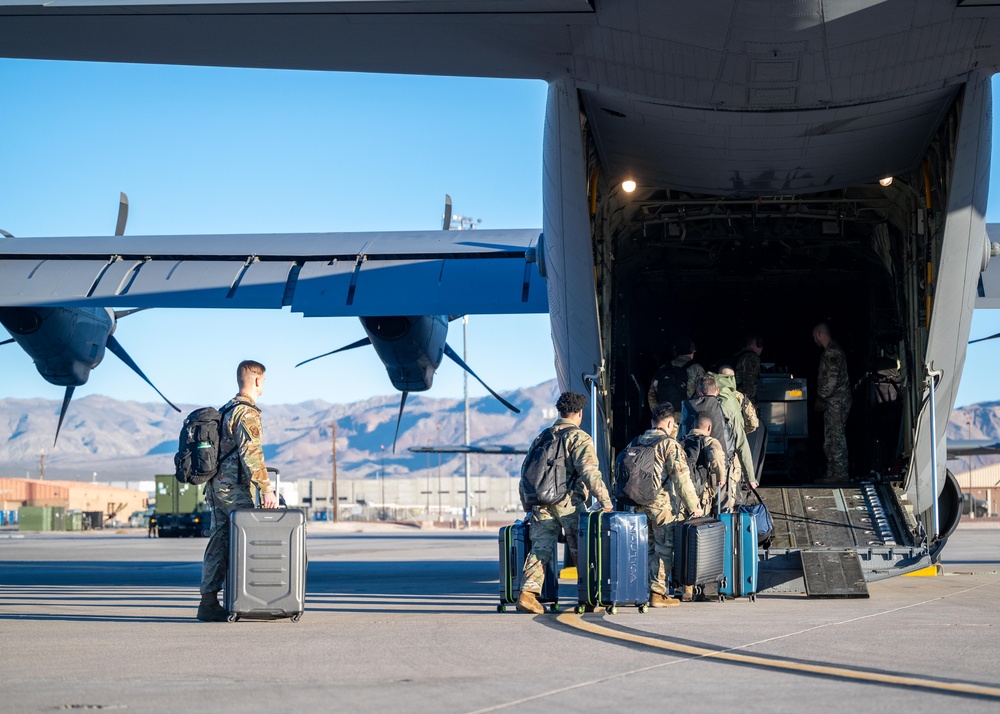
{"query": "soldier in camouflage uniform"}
pixel 741 462
pixel 748 367
pixel 833 391
pixel 715 462
pixel 584 478
pixel 750 420
pixel 677 496
pixel 230 488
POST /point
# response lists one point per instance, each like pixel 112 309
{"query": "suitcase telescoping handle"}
pixel 277 480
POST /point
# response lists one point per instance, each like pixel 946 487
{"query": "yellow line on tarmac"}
pixel 577 622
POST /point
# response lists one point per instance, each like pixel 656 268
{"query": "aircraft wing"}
pixel 958 448
pixel 317 274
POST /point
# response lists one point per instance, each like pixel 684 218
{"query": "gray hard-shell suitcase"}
pixel 267 563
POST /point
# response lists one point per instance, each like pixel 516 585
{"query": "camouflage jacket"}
pixel 241 426
pixel 747 370
pixel 582 468
pixel 833 383
pixel 716 459
pixel 677 492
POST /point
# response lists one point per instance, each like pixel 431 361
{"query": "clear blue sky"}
pixel 204 150
pixel 207 150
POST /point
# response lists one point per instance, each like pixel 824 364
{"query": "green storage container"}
pixel 74 521
pixel 58 518
pixel 34 518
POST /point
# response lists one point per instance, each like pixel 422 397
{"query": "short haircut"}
pixel 570 403
pixel 726 369
pixel 662 412
pixel 683 346
pixel 755 338
pixel 247 368
pixel 704 422
pixel 708 384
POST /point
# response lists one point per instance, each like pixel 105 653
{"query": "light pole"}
pixel 465 389
pixel 381 476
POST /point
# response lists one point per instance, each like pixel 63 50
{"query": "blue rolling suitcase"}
pixel 515 544
pixel 740 556
pixel 699 550
pixel 614 561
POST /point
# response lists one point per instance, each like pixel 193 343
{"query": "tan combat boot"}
pixel 687 595
pixel 657 600
pixel 528 602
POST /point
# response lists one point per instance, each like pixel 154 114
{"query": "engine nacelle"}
pixel 411 348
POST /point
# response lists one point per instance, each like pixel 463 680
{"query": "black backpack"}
pixel 699 461
pixel 721 429
pixel 670 384
pixel 197 459
pixel 637 481
pixel 544 481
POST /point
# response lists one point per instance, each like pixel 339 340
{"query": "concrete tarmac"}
pixel 406 620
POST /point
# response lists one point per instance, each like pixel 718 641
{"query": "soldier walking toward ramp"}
pixel 677 496
pixel 833 391
pixel 575 464
pixel 230 489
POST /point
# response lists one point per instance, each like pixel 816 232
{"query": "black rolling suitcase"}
pixel 699 551
pixel 267 563
pixel 515 544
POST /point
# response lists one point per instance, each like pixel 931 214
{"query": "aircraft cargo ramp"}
pixel 829 542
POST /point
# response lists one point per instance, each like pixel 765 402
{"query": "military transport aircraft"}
pixel 707 167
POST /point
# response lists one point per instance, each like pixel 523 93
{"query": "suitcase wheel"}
pixel 612 609
pixel 296 617
pixel 644 608
pixel 752 597
pixel 722 598
pixel 578 609
pixel 554 607
pixel 501 608
pixel 233 618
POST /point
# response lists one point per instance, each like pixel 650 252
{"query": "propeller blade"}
pixel 119 352
pixel 402 403
pixel 447 213
pixel 62 412
pixel 983 339
pixel 119 314
pixel 359 343
pixel 458 360
pixel 7 342
pixel 122 214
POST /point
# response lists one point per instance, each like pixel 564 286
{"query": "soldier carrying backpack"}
pixel 706 461
pixel 678 380
pixel 654 464
pixel 558 477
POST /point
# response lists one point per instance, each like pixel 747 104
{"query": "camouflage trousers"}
pixel 546 522
pixel 732 494
pixel 661 547
pixel 834 441
pixel 224 497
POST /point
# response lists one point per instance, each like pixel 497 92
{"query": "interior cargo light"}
pixel 628 186
pixel 886 182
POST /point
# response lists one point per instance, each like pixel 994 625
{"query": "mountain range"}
pixel 124 440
